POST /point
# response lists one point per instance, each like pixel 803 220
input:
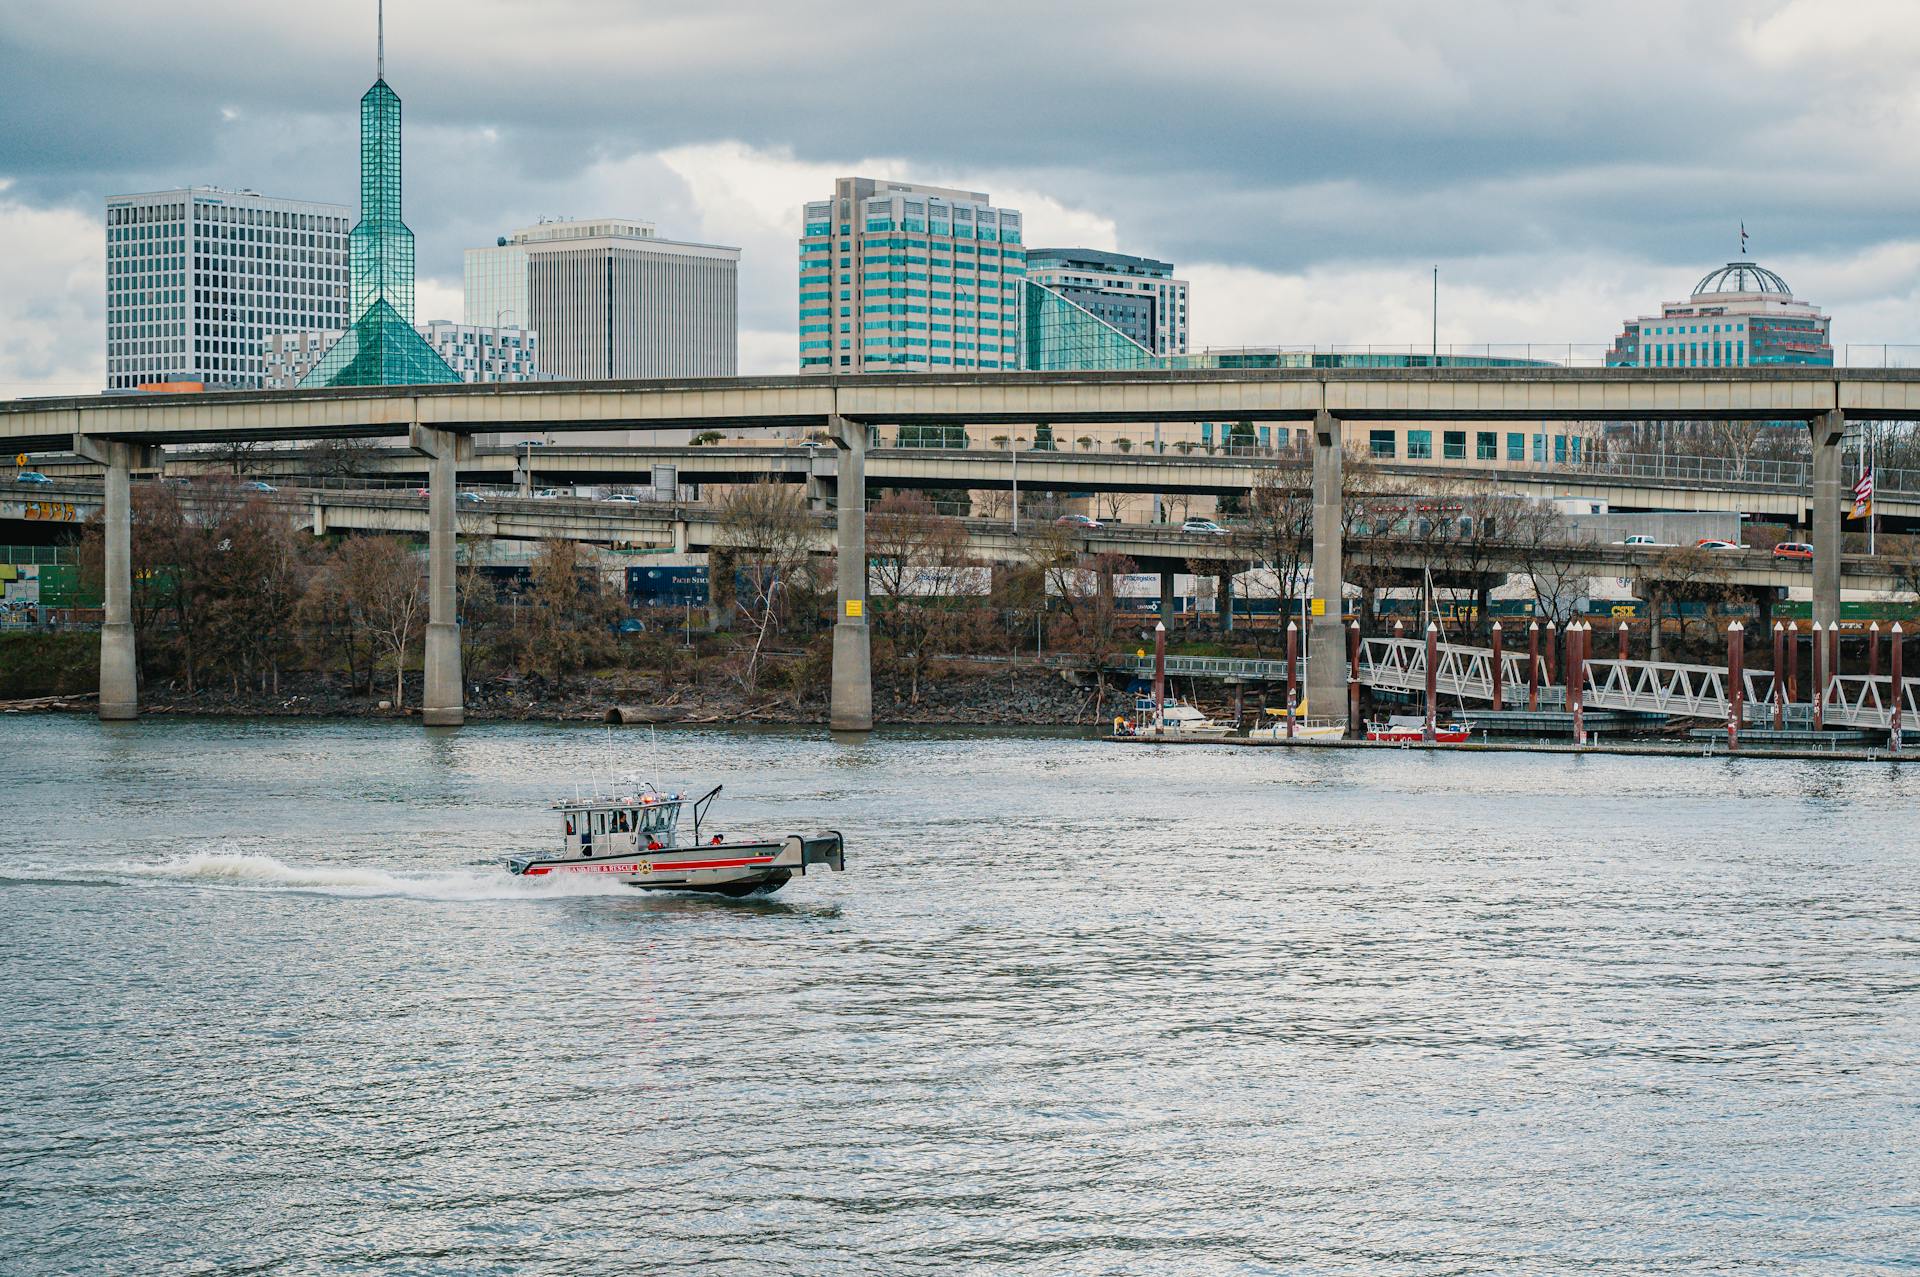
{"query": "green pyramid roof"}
pixel 381 349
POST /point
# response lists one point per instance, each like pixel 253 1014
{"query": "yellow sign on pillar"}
pixel 1319 607
pixel 854 606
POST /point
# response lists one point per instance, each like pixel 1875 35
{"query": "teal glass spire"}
pixel 381 243
pixel 381 348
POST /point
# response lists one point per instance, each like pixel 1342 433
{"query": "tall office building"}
pixel 899 277
pixel 380 346
pixel 198 276
pixel 611 300
pixel 1137 295
pixel 1740 315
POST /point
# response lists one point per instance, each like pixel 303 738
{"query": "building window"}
pixel 1419 445
pixel 1540 449
pixel 1453 445
pixel 1486 446
pixel 1380 444
pixel 1560 450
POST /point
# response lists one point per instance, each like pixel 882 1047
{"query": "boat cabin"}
pixel 620 826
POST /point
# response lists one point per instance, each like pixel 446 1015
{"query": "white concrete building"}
pixel 198 277
pixel 480 353
pixel 290 356
pixel 899 277
pixel 612 300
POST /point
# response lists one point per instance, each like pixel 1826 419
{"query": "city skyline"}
pixel 1308 215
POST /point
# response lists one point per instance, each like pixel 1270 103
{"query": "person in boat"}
pixel 653 844
pixel 717 840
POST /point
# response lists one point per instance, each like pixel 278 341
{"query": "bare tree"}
pixel 919 572
pixel 767 532
pixel 387 595
pixel 1277 528
pixel 1688 574
pixel 342 458
pixel 1539 533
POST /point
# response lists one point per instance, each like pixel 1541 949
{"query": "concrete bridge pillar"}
pixel 1166 598
pixel 852 697
pixel 1324 631
pixel 1225 595
pixel 1828 429
pixel 119 661
pixel 444 704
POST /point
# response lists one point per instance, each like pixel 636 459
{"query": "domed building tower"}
pixel 1741 315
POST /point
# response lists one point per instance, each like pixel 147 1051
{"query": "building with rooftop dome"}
pixel 1741 315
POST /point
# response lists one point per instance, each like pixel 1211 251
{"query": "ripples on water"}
pixel 272 1008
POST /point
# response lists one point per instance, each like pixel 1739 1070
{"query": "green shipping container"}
pixel 60 586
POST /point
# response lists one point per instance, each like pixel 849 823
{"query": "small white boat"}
pixel 636 837
pixel 1305 727
pixel 1176 720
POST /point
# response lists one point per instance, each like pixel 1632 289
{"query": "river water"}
pixel 270 1007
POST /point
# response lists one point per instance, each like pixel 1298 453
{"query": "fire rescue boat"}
pixel 637 837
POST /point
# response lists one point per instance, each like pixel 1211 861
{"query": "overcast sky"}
pixel 1564 163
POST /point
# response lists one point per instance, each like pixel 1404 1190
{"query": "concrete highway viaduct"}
pixel 121 432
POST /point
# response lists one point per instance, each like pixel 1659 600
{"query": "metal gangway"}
pixel 1655 688
pixel 1400 665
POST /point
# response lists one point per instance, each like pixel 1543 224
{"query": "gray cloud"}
pixel 1288 138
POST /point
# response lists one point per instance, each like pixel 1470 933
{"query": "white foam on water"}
pixel 265 873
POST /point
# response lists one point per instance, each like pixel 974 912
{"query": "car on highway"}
pixel 1081 521
pixel 547 494
pixel 1642 541
pixel 421 493
pixel 260 485
pixel 472 498
pixel 1206 527
pixel 31 476
pixel 1793 550
pixel 625 498
pixel 1715 543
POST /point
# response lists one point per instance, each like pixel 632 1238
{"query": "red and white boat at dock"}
pixel 1410 729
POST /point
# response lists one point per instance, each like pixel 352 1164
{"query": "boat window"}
pixel 570 829
pixel 599 822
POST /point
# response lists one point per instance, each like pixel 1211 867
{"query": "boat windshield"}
pixel 653 818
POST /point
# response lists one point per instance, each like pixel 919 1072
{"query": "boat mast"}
pixel 1159 674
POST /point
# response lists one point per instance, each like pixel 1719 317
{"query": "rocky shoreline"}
pixel 1001 696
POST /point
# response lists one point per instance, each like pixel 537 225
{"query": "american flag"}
pixel 1863 495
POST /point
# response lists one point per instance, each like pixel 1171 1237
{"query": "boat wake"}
pixel 265 873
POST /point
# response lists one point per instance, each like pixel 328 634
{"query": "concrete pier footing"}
pixel 444 701
pixel 1326 638
pixel 851 705
pixel 119 659
pixel 1828 496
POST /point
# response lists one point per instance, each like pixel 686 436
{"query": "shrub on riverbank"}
pixel 37 664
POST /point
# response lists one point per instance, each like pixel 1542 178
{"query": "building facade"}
pixel 494 284
pixel 1136 295
pixel 1739 316
pixel 198 276
pixel 612 300
pixel 478 353
pixel 899 277
pixel 289 357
